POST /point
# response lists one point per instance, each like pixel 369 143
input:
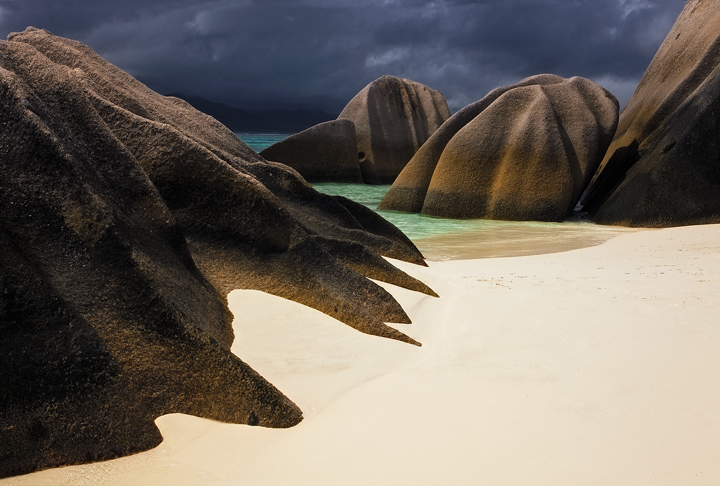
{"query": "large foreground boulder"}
pixel 326 152
pixel 524 152
pixel 393 117
pixel 663 166
pixel 125 218
pixel 64 396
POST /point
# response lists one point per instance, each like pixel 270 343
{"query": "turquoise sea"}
pixel 444 239
pixel 261 141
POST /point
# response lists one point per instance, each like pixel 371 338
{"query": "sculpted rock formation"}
pixel 64 397
pixel 662 168
pixel 125 218
pixel 524 152
pixel 326 152
pixel 393 117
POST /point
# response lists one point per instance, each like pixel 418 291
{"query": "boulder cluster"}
pixel 126 217
pixel 376 134
pixel 547 147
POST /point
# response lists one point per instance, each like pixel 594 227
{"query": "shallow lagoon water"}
pixel 415 226
pixel 452 239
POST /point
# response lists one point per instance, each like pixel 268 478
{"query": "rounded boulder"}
pixel 662 168
pixel 326 152
pixel 524 152
pixel 393 117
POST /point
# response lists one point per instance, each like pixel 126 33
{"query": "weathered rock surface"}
pixel 524 152
pixel 125 218
pixel 64 397
pixel 393 117
pixel 663 166
pixel 326 152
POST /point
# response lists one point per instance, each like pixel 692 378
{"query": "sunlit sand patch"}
pixel 594 366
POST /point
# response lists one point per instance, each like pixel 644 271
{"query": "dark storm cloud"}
pixel 319 53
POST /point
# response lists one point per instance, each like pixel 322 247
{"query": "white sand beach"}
pixel 596 366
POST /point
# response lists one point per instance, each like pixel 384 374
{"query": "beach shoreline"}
pixel 500 239
pixel 593 366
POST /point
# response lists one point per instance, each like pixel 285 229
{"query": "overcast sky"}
pixel 320 53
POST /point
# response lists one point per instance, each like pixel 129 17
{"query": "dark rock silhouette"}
pixel 524 152
pixel 271 121
pixel 125 218
pixel 393 117
pixel 326 152
pixel 662 167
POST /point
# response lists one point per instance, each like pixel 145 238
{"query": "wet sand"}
pixel 509 238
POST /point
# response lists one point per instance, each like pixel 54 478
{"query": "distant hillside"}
pixel 239 120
